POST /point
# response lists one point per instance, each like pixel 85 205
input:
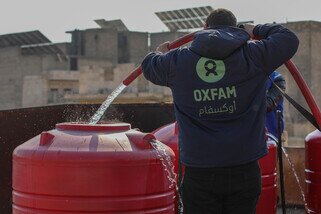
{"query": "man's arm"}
pixel 277 45
pixel 274 96
pixel 156 66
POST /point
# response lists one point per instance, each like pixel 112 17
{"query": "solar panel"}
pixel 112 24
pixel 24 38
pixel 183 19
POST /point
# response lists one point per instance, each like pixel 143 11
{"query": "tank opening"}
pixel 109 126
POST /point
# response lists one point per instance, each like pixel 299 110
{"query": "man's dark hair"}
pixel 221 16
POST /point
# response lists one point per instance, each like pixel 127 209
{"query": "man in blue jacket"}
pixel 218 87
pixel 274 102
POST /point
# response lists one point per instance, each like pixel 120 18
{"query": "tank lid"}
pixel 93 127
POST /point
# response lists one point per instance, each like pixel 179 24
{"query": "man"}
pixel 218 87
pixel 274 102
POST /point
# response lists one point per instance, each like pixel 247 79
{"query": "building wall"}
pixel 101 76
pixel 34 91
pixel 158 38
pixel 92 75
pixel 137 46
pixel 64 47
pixel 34 70
pixel 38 64
pixel 11 78
pixel 60 84
pixel 316 64
pixel 101 43
pixel 14 67
pixel 50 87
pixel 132 46
pixel 307 60
pixel 54 62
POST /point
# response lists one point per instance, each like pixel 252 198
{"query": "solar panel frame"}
pixel 184 19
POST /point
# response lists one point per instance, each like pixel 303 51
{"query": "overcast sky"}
pixel 54 18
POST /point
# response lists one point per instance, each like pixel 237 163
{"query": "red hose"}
pixel 304 90
pixel 174 44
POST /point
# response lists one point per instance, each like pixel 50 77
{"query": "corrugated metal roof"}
pixel 24 38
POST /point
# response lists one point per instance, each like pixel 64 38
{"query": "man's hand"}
pixel 248 27
pixel 163 48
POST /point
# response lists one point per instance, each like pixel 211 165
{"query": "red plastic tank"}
pixel 97 169
pixel 168 135
pixel 267 203
pixel 268 197
pixel 313 172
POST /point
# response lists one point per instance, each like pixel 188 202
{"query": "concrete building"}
pixel 21 55
pixel 96 62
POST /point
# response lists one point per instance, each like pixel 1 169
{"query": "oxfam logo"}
pixel 210 70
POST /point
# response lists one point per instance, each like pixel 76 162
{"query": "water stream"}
pixel 166 162
pixel 295 175
pixel 168 168
pixel 100 112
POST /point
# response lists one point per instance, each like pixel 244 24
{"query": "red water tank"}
pixel 313 172
pixel 267 203
pixel 268 197
pixel 168 135
pixel 82 168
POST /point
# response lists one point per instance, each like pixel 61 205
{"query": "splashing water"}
pixel 295 175
pixel 100 112
pixel 168 168
pixel 166 162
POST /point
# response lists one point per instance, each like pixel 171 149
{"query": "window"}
pixel 53 95
pixel 73 63
pixel 67 91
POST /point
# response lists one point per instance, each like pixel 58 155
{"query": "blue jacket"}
pixel 218 87
pixel 274 103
